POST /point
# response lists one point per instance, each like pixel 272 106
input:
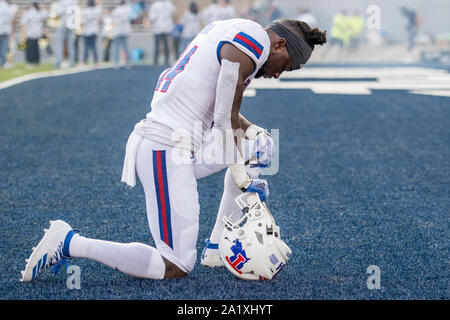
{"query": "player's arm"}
pixel 244 122
pixel 246 67
pixel 239 124
pixel 252 131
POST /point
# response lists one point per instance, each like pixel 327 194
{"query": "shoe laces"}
pixel 58 259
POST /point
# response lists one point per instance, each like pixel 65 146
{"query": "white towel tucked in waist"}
pixel 146 129
pixel 129 163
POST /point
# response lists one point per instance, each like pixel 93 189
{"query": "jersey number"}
pixel 170 74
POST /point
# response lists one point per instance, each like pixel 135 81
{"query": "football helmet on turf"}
pixel 251 248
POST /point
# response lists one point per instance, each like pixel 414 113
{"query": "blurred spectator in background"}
pixel 226 10
pixel 122 27
pixel 340 35
pixel 254 11
pixel 412 25
pixel 107 33
pixel 210 13
pixel 191 25
pixel 271 12
pixel 161 16
pixel 78 35
pixel 264 11
pixel 356 24
pixel 90 19
pixel 176 38
pixel 32 23
pixel 340 29
pixel 7 14
pixel 135 11
pixel 306 16
pixel 66 10
pixel 53 18
pixel 217 10
pixel 144 8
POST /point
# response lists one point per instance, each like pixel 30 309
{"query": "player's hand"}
pixel 261 187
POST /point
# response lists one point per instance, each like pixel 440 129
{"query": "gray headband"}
pixel 298 49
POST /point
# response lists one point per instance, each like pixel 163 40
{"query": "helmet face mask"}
pixel 251 247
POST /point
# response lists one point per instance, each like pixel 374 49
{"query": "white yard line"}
pixel 357 72
pixel 412 79
pixel 438 93
pixel 416 80
pixel 47 74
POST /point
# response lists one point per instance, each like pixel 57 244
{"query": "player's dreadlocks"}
pixel 312 36
pixel 300 39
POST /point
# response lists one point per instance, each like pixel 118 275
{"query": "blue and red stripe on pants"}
pixel 162 196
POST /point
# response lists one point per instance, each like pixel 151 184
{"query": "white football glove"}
pixel 261 187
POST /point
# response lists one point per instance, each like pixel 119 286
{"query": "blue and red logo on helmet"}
pixel 239 258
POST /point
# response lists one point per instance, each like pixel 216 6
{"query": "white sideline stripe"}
pixel 405 85
pixel 249 92
pixel 47 74
pixel 423 80
pixel 344 72
pixel 437 93
pixel 341 90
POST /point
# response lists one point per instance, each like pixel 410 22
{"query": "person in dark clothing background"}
pixel 32 22
pixel 412 25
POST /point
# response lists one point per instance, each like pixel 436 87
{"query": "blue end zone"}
pixel 363 181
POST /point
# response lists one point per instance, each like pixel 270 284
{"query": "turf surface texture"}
pixel 363 180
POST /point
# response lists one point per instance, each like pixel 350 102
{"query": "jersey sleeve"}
pixel 250 38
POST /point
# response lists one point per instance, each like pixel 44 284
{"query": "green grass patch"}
pixel 20 69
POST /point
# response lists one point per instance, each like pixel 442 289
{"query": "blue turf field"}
pixel 363 180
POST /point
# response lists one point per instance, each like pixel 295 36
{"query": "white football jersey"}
pixel 182 108
pixel 7 13
pixel 33 20
pixel 90 18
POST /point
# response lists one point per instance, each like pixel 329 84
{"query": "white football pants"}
pixel 169 179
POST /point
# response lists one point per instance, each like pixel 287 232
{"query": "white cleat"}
pixel 51 250
pixel 210 255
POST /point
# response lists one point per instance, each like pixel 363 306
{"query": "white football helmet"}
pixel 251 248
